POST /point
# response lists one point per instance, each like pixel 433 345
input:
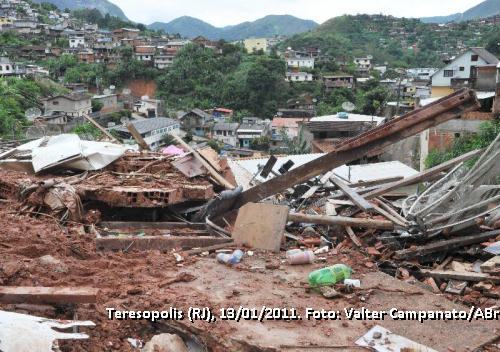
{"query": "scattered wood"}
pixel 460 276
pixel 47 295
pixel 209 248
pixel 341 220
pixel 447 245
pixel 221 180
pixel 137 136
pixel 161 243
pixel 362 203
pixel 261 225
pixel 422 176
pixel 139 225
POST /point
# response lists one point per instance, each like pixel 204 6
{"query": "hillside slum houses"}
pixel 97 236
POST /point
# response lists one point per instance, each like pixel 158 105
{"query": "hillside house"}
pixel 281 127
pixel 73 104
pixel 125 33
pixel 256 44
pixel 300 62
pixel 152 130
pixel 338 81
pixel 299 77
pixel 77 41
pixel 252 128
pixel 226 132
pixel 324 132
pixel 109 102
pixel 196 121
pixel 145 53
pixel 463 71
pixel 363 65
pixel 149 107
pixel 162 62
pixel 6 67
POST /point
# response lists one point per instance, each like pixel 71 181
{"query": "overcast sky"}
pixel 228 12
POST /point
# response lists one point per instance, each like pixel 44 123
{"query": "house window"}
pixel 448 73
pixel 55 102
pixel 462 68
pixel 474 58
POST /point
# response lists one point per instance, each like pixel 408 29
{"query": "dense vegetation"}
pixel 389 39
pixel 106 21
pixel 16 96
pixel 488 131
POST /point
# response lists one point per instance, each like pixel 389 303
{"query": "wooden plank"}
pixel 360 202
pixel 139 225
pixel 461 276
pixel 353 236
pixel 102 129
pixel 379 181
pixel 221 180
pixel 261 225
pixel 446 246
pixel 209 248
pixel 147 243
pixel 48 295
pixel 341 220
pixel 422 176
pixel 400 128
pixel 137 136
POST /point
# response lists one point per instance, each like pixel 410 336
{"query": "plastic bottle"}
pixel 329 276
pixel 300 257
pixel 230 259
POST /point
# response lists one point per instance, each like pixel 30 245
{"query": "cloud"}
pixel 229 12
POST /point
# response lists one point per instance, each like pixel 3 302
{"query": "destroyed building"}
pixel 95 230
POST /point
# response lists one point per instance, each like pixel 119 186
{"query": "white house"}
pixel 76 41
pixel 300 62
pixel 6 67
pixel 152 130
pixel 299 77
pixel 460 71
pixel 421 73
pixel 163 61
pixel 363 64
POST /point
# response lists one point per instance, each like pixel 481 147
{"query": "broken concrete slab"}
pixel 261 225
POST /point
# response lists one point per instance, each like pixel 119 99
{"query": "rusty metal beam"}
pixel 445 109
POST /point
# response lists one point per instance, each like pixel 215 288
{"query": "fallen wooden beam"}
pixel 461 276
pixel 422 176
pixel 137 136
pixel 414 122
pixel 102 129
pixel 47 295
pixel 376 182
pixel 446 245
pixel 341 220
pixel 161 243
pixel 362 203
pixel 218 177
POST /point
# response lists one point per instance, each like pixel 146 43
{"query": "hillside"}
pixel 485 9
pixel 104 6
pixel 268 26
pixel 392 40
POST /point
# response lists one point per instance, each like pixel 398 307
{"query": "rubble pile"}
pixel 97 226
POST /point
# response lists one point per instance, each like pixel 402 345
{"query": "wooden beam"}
pixel 137 136
pixel 422 176
pixel 360 202
pixel 147 243
pixel 221 180
pixel 376 182
pixel 445 109
pixel 461 276
pixel 340 220
pixel 446 246
pixel 102 129
pixel 47 295
pixel 139 225
pixel 353 236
